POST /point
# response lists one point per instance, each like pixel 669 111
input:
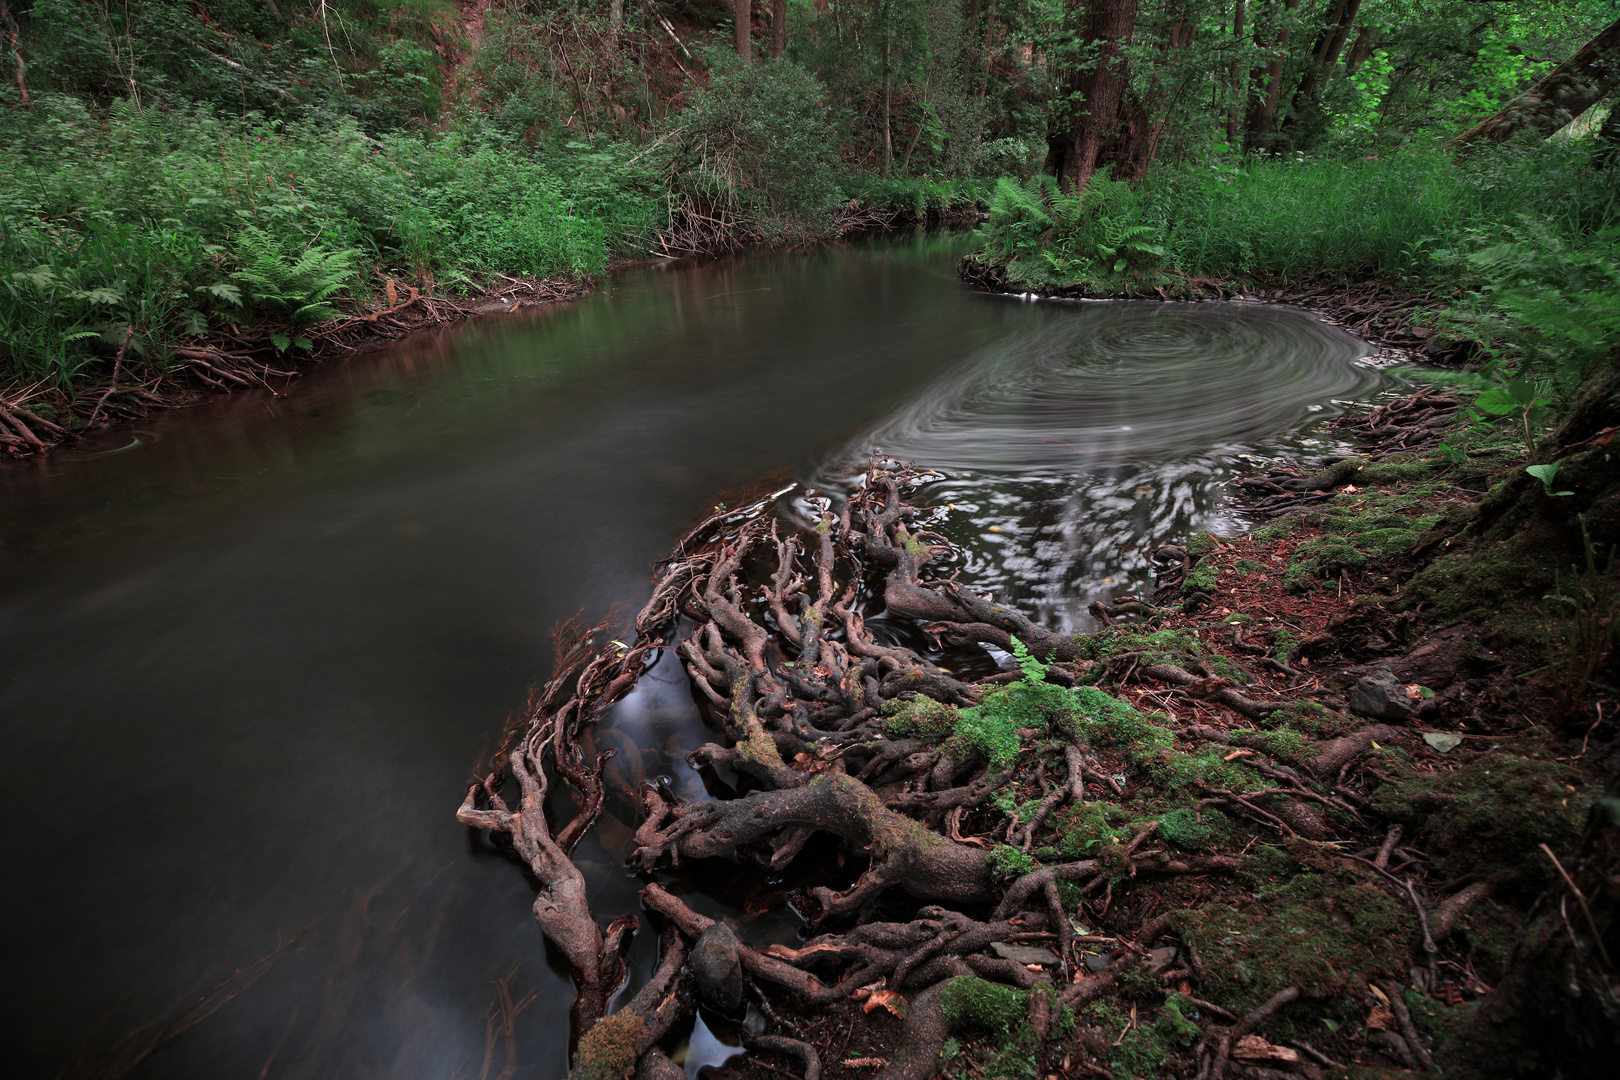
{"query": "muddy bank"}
pixel 34 420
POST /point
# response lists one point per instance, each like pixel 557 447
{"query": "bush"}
pixel 759 141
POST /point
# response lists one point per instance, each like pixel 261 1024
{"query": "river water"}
pixel 250 652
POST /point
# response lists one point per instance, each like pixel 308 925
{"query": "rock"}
pixel 718 969
pixel 1380 696
pixel 1024 954
pixel 1161 958
pixel 1097 963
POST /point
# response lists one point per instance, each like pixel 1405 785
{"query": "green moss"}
pixel 970 1000
pixel 1316 720
pixel 920 715
pixel 1088 827
pixel 1284 642
pixel 1204 577
pixel 1203 544
pixel 610 1049
pixel 1273 531
pixel 1190 831
pixel 1401 470
pixel 1009 861
pixel 1317 933
pixel 1104 720
pixel 1287 744
pixel 1159 647
pixel 1249 566
pixel 1490 815
pixel 1226 668
pixel 1176 772
pixel 1145 1050
pixel 1486 581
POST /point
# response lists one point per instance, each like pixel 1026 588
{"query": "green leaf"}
pixel 1441 741
pixel 280 341
pixel 1496 401
pixel 1331 1025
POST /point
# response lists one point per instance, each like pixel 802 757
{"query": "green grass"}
pixel 148 223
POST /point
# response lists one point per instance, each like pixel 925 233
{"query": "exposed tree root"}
pixel 1013 844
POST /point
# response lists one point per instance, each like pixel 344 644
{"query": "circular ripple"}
pixel 1090 433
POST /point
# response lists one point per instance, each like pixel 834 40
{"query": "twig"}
pixel 1580 898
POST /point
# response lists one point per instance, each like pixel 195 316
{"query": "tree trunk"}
pixel 745 17
pixel 1234 115
pixel 1260 127
pixel 1111 23
pixel 1609 136
pixel 778 28
pixel 615 19
pixel 1325 53
pixel 1559 97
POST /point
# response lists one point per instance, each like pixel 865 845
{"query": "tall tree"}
pixel 744 16
pixel 1265 110
pixel 1559 97
pixel 778 27
pixel 1108 25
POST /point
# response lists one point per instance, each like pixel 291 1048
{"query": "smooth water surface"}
pixel 250 652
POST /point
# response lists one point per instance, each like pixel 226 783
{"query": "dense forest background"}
pixel 173 164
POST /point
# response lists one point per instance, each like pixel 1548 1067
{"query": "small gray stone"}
pixel 1380 696
pixel 1097 963
pixel 1024 954
pixel 1159 959
pixel 718 969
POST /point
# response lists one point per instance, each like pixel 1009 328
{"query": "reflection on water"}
pixel 250 652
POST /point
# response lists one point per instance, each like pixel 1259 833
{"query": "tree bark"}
pixel 1234 116
pixel 744 17
pixel 1110 24
pixel 778 28
pixel 1329 44
pixel 9 26
pixel 1260 127
pixel 1559 97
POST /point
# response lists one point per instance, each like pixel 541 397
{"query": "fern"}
pixel 296 284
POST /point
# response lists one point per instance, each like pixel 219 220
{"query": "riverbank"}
pixel 269 355
pixel 1289 814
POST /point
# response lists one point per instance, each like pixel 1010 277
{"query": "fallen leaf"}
pixel 865 1063
pixel 1380 1020
pixel 1414 692
pixel 886 999
pixel 1441 741
pixel 1255 1048
pixel 1378 993
pixel 861 993
pixel 1234 755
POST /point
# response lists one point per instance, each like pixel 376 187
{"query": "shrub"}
pixel 758 140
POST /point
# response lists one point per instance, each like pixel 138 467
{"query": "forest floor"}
pixel 1370 789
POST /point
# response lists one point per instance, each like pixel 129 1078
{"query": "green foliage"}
pixel 757 141
pixel 1554 299
pixel 295 284
pixel 1046 235
pixel 142 219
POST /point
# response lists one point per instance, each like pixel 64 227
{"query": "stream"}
pixel 251 652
